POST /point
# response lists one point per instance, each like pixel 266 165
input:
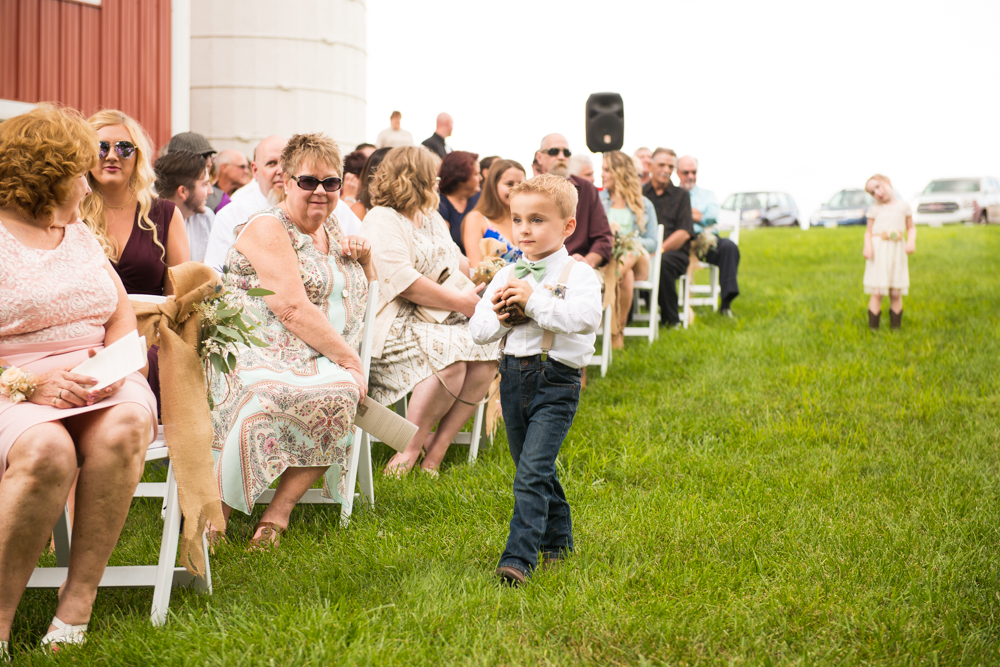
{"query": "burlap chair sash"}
pixel 187 421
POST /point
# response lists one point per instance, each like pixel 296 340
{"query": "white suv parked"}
pixel 958 200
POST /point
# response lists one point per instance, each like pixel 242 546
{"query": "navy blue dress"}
pixel 454 217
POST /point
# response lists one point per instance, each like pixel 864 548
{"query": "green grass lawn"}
pixel 783 488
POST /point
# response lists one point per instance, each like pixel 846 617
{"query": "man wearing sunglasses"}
pixel 257 196
pixel 592 242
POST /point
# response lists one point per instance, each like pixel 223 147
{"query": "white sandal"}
pixel 4 653
pixel 65 634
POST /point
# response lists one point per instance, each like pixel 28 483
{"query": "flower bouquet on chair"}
pixel 223 327
pixel 703 243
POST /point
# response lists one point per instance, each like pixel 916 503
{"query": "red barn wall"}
pixel 112 56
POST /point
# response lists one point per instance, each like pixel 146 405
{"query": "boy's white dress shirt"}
pixel 574 319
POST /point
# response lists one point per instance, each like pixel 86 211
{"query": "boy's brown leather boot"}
pixel 874 319
pixel 895 319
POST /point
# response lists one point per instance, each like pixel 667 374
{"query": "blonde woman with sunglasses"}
pixel 140 234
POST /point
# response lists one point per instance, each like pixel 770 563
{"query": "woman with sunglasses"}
pixel 60 300
pixel 287 409
pixel 140 234
pixel 413 249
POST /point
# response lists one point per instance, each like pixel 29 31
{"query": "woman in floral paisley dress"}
pixel 287 409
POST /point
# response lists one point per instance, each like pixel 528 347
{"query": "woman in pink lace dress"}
pixel 60 300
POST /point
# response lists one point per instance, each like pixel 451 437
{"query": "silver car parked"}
pixel 958 200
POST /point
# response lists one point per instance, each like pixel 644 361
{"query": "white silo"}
pixel 263 67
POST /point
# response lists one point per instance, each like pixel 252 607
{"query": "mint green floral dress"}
pixel 286 405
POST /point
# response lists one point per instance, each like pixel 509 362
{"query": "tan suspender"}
pixel 547 336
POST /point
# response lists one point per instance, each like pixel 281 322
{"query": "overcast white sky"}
pixel 807 97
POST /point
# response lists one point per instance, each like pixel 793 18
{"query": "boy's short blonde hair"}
pixel 558 189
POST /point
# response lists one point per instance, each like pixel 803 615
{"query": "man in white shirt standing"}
pixel 394 136
pixel 256 196
pixel 182 177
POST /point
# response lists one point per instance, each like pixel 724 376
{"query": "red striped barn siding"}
pixel 115 56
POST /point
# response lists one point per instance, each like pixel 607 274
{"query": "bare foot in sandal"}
pixel 213 535
pixel 266 535
pixel 398 465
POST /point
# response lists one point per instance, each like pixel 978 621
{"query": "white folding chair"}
pixel 651 329
pixel 691 295
pixel 360 465
pixel 604 358
pixel 163 576
pixel 471 438
pixel 705 295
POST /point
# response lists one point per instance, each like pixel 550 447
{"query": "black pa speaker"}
pixel 605 122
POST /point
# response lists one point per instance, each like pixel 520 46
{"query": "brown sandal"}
pixel 214 538
pixel 270 536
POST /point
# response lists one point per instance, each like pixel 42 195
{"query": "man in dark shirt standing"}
pixel 592 242
pixel 435 143
pixel 673 211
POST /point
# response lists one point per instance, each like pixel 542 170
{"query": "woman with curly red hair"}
pixel 60 300
pixel 459 180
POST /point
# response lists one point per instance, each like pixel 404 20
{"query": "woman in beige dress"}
pixel 447 373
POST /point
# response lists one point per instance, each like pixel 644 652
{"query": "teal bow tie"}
pixel 522 268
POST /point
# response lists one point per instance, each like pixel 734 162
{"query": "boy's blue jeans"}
pixel 539 400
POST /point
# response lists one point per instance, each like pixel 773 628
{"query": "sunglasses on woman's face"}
pixel 552 152
pixel 125 149
pixel 310 183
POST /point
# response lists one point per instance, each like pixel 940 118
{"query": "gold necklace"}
pixel 118 208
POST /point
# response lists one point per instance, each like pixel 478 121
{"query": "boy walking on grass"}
pixel 547 308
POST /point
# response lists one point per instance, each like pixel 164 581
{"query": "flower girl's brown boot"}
pixel 874 319
pixel 895 319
